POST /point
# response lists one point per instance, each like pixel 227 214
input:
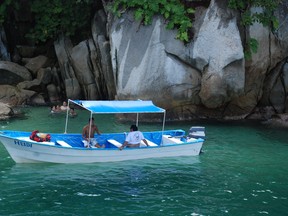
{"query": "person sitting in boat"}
pixel 134 138
pixel 64 106
pixel 88 135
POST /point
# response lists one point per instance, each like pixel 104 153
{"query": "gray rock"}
pixel 53 93
pixel 4 54
pixel 86 67
pixel 143 70
pixel 14 96
pixel 36 99
pixel 218 53
pixel 34 64
pixel 34 85
pixel 5 111
pixel 72 87
pixel 44 75
pixel 12 73
pixel 148 62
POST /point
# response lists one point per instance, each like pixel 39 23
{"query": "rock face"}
pixel 208 77
pixel 12 73
pixel 86 67
pixel 4 54
pixel 5 111
pixel 218 54
pixel 150 70
pixel 264 71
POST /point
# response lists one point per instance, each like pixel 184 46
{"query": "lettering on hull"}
pixel 23 143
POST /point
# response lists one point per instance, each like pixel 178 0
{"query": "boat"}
pixel 69 148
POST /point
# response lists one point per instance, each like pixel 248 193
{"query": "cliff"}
pixel 122 59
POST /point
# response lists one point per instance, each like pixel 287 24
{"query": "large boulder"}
pixel 12 73
pixel 34 85
pixel 44 75
pixel 15 96
pixel 101 53
pixel 63 48
pixel 219 55
pixel 5 111
pixel 146 69
pixel 53 93
pixel 34 64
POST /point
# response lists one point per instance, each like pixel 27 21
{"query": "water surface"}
pixel 243 171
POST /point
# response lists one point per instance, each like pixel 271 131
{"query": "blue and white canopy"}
pixel 115 106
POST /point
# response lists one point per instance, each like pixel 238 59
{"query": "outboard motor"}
pixel 197 132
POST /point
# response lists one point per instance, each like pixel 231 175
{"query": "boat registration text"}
pixel 22 143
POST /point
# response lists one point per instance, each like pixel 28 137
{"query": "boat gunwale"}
pixel 97 149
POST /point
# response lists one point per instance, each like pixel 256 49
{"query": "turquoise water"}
pixel 243 171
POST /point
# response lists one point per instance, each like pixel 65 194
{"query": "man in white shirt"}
pixel 134 138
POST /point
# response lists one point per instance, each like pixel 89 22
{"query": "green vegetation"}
pixel 178 15
pixel 251 46
pixel 4 9
pixel 265 16
pixel 52 17
pixel 173 11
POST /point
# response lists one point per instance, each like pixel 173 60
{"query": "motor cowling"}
pixel 197 132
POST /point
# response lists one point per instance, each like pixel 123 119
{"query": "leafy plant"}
pixel 54 17
pixel 266 17
pixel 4 9
pixel 251 47
pixel 173 11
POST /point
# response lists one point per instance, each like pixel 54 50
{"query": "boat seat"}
pixel 63 143
pixel 142 144
pixel 168 139
pixel 150 143
pixel 115 143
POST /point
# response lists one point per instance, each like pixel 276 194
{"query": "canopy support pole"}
pixel 137 119
pixel 163 126
pixel 90 127
pixel 164 116
pixel 67 116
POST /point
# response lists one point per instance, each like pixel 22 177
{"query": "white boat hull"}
pixel 25 151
